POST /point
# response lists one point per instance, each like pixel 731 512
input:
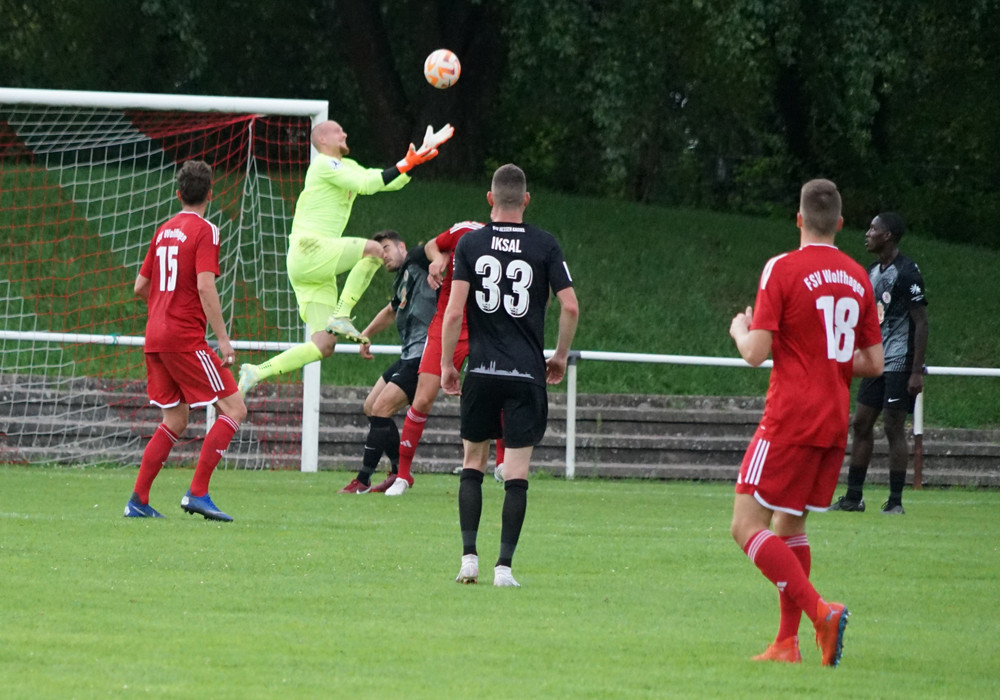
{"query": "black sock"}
pixel 392 444
pixel 896 481
pixel 856 481
pixel 379 436
pixel 470 507
pixel 515 503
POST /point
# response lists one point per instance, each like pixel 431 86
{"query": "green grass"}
pixel 629 589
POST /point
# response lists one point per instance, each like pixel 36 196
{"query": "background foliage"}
pixel 724 105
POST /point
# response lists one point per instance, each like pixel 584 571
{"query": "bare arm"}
pixel 868 362
pixel 918 314
pixel 213 312
pixel 439 261
pixel 569 316
pixel 141 288
pixel 754 345
pixel 450 330
pixel 383 319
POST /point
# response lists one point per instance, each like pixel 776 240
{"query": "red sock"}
pixel 212 449
pixel 791 614
pixel 500 451
pixel 156 453
pixel 781 566
pixel 413 428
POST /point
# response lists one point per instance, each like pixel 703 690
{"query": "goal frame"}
pixel 316 110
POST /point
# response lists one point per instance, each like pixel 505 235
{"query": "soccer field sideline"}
pixel 629 589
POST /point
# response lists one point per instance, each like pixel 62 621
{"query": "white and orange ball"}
pixel 442 68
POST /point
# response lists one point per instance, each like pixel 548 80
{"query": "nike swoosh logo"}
pixel 893 400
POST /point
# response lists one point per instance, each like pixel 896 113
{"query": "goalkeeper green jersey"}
pixel 331 187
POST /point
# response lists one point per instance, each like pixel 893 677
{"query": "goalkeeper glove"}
pixel 433 139
pixel 414 158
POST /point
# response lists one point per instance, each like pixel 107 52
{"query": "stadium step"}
pixel 668 437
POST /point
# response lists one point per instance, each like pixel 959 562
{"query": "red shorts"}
pixel 194 377
pixel 430 361
pixel 790 478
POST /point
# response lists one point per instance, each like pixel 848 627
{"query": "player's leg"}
pixel 869 405
pixel 164 392
pixel 470 506
pixel 895 432
pixel 770 481
pixel 791 530
pixel 383 436
pixel 480 422
pixel 205 381
pixel 424 396
pixel 363 258
pixel 312 272
pixel 524 418
pixel 319 346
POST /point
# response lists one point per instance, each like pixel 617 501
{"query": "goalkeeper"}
pixel 317 251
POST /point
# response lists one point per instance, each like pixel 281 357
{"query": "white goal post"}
pixel 85 177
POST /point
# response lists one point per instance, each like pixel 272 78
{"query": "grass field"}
pixel 629 589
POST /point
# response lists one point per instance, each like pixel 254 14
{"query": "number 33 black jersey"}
pixel 511 269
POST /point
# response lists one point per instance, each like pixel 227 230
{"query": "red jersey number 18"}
pixel 839 318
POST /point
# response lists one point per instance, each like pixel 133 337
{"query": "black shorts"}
pixel 403 374
pixel 888 391
pixel 514 410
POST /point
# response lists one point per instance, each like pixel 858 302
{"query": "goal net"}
pixel 85 179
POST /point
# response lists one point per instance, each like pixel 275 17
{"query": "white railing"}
pixel 310 444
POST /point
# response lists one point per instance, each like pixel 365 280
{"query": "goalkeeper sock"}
pixel 515 503
pixel 355 285
pixel 290 360
pixel 212 449
pixel 156 453
pixel 470 507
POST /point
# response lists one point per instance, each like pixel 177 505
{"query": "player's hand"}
pixel 740 325
pixel 450 382
pixel 915 384
pixel 227 353
pixel 435 273
pixel 413 158
pixel 555 369
pixel 433 139
pixel 366 351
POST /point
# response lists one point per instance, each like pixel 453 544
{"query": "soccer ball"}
pixel 441 68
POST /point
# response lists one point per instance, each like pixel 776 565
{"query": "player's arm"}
pixel 439 262
pixel 450 330
pixel 569 316
pixel 918 315
pixel 383 319
pixel 213 313
pixel 869 362
pixel 754 345
pixel 141 287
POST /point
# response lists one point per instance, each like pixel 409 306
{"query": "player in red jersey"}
pixel 439 250
pixel 816 317
pixel 177 281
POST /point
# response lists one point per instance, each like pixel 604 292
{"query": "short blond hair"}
pixel 820 206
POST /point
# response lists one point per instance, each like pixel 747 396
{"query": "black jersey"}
pixel 511 269
pixel 414 302
pixel 898 287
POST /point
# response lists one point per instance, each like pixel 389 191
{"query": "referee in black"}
pixel 502 277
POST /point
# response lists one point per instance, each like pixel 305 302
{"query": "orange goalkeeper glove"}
pixel 414 158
